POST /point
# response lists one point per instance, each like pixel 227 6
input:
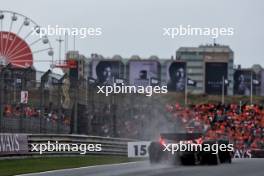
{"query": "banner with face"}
pixel 105 71
pixel 176 76
pixel 141 72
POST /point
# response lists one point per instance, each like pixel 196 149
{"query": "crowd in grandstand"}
pixel 243 125
pixel 131 121
pixel 26 111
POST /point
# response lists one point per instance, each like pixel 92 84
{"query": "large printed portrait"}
pixel 141 72
pixel 242 82
pixel 106 71
pixel 176 76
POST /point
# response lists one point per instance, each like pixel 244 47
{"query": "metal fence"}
pixel 32 125
pixel 125 116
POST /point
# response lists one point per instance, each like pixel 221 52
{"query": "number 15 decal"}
pixel 138 149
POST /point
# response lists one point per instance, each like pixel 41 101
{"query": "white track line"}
pixel 71 169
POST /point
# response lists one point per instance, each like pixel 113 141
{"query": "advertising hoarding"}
pixel 176 75
pixel 242 82
pixel 13 144
pixel 214 73
pixel 105 71
pixel 142 71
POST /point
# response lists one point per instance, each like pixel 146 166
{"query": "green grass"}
pixel 22 166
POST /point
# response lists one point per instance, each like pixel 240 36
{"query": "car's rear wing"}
pixel 181 136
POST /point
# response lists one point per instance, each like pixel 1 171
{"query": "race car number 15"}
pixel 138 149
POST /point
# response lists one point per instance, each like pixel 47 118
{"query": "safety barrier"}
pixel 21 144
pixel 257 153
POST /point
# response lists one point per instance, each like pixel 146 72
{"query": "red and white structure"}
pixel 19 42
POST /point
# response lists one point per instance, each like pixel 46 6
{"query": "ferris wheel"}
pixel 19 43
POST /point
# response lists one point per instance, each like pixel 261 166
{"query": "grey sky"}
pixel 135 26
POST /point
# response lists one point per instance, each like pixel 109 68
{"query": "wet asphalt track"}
pixel 239 167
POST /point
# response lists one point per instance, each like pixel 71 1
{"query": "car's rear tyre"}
pixel 155 152
pixel 210 159
pixel 188 160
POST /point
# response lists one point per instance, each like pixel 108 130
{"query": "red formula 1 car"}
pixel 193 149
